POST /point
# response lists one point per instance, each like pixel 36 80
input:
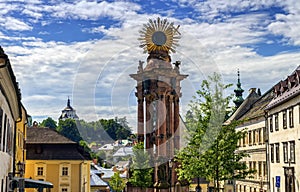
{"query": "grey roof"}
pixel 123 152
pixel 105 172
pixel 258 108
pixel 245 106
pixel 122 164
pixel 96 181
pixel 106 147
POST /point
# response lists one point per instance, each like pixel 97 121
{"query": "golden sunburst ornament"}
pixel 159 35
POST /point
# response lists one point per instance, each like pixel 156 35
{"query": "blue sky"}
pixel 86 49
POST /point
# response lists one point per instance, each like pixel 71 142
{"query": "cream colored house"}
pixel 283 120
pixel 251 112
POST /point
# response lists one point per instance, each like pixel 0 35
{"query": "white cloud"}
pixel 288 25
pixel 99 29
pixel 6 7
pixel 212 9
pixel 33 12
pixel 39 98
pixel 92 10
pixel 11 23
pixel 236 31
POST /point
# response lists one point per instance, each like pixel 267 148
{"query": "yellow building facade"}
pixel 66 176
pixel 54 158
pixel 21 125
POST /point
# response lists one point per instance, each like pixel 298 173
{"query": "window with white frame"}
pixel 272 153
pixel 292 151
pixel 264 169
pixel 276 122
pixel 250 137
pixel 65 171
pixel 264 135
pixel 9 135
pixel 284 119
pixel 254 137
pixel 291 117
pixel 271 123
pixel 254 167
pixel 4 135
pixel 260 168
pixel 40 171
pixel 277 153
pixel 285 152
pixel 260 136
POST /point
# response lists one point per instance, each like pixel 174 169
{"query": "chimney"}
pixel 258 92
pixel 252 90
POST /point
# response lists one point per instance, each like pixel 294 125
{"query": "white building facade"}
pixel 283 125
pixel 10 113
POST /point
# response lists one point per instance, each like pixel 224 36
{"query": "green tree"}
pixel 87 149
pixel 104 130
pixel 69 129
pixel 116 128
pixel 117 183
pixel 141 170
pixel 124 131
pixel 211 149
pixel 49 122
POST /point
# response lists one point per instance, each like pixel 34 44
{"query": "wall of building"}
pixel 20 154
pixel 254 145
pixel 7 129
pixel 286 133
pixel 71 175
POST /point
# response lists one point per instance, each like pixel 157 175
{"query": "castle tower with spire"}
pixel 238 100
pixel 68 112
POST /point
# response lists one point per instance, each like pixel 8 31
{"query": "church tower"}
pixel 158 94
pixel 68 112
pixel 238 100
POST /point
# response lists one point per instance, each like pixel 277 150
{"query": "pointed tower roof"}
pixel 238 100
pixel 68 112
pixel 68 107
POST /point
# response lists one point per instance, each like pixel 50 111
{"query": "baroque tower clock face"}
pixel 159 35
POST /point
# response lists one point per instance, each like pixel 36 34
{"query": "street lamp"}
pixel 18 182
pixel 198 188
pixel 170 173
pixel 20 167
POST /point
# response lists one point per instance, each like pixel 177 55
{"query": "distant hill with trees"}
pixel 101 131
